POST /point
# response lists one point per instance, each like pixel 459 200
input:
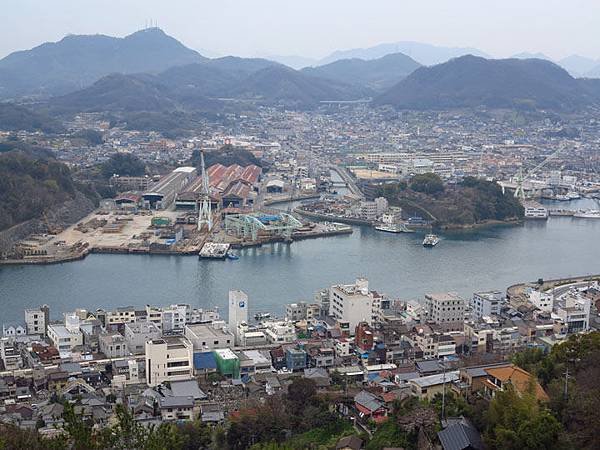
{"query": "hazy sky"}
pixel 317 27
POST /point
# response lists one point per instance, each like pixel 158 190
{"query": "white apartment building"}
pixel 353 303
pixel 63 338
pixel 36 320
pixel 368 210
pixel 247 336
pixel 208 336
pixel 542 300
pixel 446 309
pixel 435 345
pixel 168 359
pixel 137 333
pixel 574 311
pixel 9 354
pixel 302 311
pixel 120 315
pixel 238 309
pixel 487 303
pixel 381 205
pixel 343 348
pixel 279 332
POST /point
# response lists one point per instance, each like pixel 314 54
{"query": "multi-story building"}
pixel 353 303
pixel 363 336
pixel 486 303
pixel 250 336
pixel 10 355
pixel 542 300
pixel 368 210
pixel 137 333
pixel 295 359
pixel 168 359
pixel 238 309
pixel 279 331
pixel 120 315
pixel 206 336
pixel 302 311
pixel 434 345
pixel 113 345
pixel 63 338
pixel 36 319
pixel 446 310
pixel 574 311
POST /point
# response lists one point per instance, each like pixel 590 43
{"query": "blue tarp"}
pixel 204 360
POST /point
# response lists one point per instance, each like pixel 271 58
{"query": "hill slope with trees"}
pixel 471 202
pixel 471 81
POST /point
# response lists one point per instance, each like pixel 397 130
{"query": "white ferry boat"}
pixel 588 214
pixel 393 228
pixel 431 240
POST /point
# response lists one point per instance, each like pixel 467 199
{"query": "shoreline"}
pixel 298 236
pixel 479 225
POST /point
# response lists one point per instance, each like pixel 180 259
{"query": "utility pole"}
pixel 443 392
pixel 566 390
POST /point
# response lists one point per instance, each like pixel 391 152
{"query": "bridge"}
pixel 348 180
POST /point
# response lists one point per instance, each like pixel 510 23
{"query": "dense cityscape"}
pixel 391 247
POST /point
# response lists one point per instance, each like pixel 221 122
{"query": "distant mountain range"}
pixel 77 61
pixel 425 54
pixel 205 86
pixel 149 71
pixel 471 81
pixel 377 74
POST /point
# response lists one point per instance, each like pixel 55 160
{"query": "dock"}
pixel 214 250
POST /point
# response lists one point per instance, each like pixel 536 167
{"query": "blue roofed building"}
pixel 204 363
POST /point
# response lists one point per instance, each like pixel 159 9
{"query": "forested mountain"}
pixel 377 74
pixel 77 61
pixel 471 81
pixel 197 87
pixel 31 181
pixel 15 117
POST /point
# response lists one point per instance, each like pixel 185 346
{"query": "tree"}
pixel 302 390
pixel 517 421
pixel 123 164
pixel 428 183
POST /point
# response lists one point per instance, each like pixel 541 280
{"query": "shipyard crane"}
pixel 521 178
pixel 205 213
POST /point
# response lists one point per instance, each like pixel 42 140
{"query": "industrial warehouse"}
pixel 182 212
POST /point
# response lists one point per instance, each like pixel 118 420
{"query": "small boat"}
pixel 232 256
pixel 431 240
pixel 261 316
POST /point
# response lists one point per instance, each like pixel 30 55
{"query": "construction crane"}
pixel 521 178
pixel 205 213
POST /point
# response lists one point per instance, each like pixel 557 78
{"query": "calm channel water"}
pixel 273 275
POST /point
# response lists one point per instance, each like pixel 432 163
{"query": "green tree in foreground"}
pixel 518 422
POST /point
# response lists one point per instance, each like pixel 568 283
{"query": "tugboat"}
pixel 431 240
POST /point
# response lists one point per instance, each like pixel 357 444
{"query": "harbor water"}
pixel 273 275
